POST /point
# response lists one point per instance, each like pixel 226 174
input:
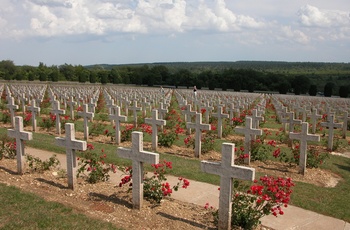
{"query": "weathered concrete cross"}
pixel 227 170
pixel 248 131
pixel 86 115
pixel 154 121
pixel 117 118
pixel 134 108
pixel 35 110
pixel 57 111
pixel 12 107
pixel 138 157
pixel 331 125
pixel 20 136
pixel 198 126
pixel 303 137
pixel 313 118
pixel 71 144
pixel 220 116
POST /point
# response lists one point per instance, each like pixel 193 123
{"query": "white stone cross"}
pixel 20 136
pixel 331 125
pixel 71 104
pixel 188 115
pixel 71 144
pixel 35 110
pixel 162 111
pixel 144 104
pixel 117 118
pixel 154 121
pixel 291 121
pixel 92 105
pixel 313 118
pixel 208 110
pixel 134 108
pixel 12 107
pixel 231 110
pixel 227 170
pixel 198 126
pixel 255 120
pixel 345 120
pixel 138 157
pixel 220 116
pixel 248 131
pixel 57 111
pixel 303 137
pixel 86 115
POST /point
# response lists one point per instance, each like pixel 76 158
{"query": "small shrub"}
pixel 38 165
pixel 93 163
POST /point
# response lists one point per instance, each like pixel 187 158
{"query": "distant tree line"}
pixel 237 79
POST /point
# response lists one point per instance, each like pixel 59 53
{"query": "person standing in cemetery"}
pixel 195 91
pixel 162 90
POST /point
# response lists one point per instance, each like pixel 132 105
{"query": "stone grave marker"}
pixel 345 118
pixel 71 144
pixel 57 111
pixel 117 118
pixel 198 126
pixel 220 116
pixel 248 131
pixel 227 170
pixel 331 125
pixel 134 108
pixel 154 121
pixel 138 157
pixel 12 107
pixel 208 110
pixel 86 115
pixel 256 121
pixel 34 110
pixel 313 118
pixel 20 136
pixel 303 137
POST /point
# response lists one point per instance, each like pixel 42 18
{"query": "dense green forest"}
pixel 252 76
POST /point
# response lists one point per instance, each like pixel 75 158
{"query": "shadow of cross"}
pixel 138 156
pixel 20 137
pixel 71 144
pixel 227 170
pixel 154 121
pixel 198 126
pixel 303 137
pixel 117 118
pixel 248 131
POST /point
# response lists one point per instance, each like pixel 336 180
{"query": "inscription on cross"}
pixel 227 170
pixel 154 121
pixel 71 144
pixel 198 126
pixel 138 157
pixel 20 137
pixel 248 131
pixel 303 137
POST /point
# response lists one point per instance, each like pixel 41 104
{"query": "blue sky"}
pixel 144 31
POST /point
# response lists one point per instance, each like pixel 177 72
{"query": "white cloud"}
pixel 312 16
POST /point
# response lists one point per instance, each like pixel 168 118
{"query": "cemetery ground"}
pixel 323 189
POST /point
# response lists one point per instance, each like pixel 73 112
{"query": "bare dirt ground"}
pixel 103 201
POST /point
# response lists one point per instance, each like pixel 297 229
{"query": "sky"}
pixel 86 32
